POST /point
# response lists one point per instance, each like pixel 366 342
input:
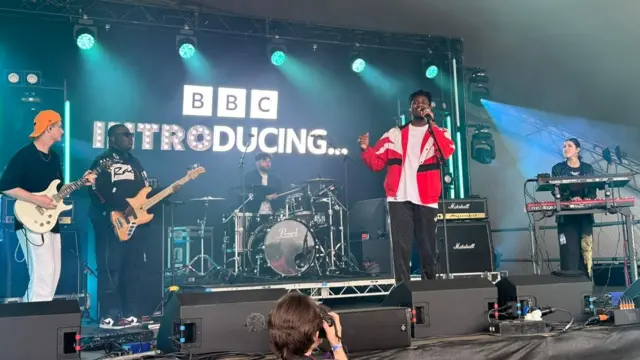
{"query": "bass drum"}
pixel 286 247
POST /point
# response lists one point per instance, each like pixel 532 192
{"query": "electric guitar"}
pixel 125 223
pixel 40 220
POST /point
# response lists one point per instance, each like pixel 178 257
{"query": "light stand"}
pixel 441 163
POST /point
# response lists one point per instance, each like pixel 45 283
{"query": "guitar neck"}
pixel 67 189
pixel 164 193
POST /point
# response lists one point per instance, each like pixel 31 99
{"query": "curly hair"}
pixel 293 324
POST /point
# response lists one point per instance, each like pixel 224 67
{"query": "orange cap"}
pixel 43 120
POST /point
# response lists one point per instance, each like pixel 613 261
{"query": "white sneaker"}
pixel 129 321
pixel 107 323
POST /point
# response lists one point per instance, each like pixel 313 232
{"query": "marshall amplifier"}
pixel 465 209
pixel 470 247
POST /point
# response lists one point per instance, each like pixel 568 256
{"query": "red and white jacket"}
pixel 390 151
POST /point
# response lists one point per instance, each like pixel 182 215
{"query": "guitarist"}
pixel 119 263
pixel 30 171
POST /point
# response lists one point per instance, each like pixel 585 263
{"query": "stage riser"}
pixel 40 330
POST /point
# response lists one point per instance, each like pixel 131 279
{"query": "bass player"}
pixel 119 263
pixel 30 171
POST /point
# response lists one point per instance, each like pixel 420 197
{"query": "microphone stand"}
pixel 244 202
pixel 441 163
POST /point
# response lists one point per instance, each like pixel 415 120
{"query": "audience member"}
pixel 295 323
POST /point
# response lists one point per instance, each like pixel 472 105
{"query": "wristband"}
pixel 336 347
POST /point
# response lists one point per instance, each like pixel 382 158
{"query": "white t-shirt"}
pixel 408 187
pixel 265 206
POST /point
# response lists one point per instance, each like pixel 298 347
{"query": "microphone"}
pixel 256 322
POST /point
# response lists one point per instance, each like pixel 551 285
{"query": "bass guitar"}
pixel 40 220
pixel 125 223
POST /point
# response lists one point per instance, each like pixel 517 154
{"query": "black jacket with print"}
pixel 126 178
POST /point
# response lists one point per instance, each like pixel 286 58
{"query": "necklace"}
pixel 43 158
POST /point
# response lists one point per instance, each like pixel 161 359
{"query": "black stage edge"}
pixel 598 343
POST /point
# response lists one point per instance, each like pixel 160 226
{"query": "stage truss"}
pixel 324 290
pixel 548 136
pixel 204 19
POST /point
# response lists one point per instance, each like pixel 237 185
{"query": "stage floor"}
pixel 599 342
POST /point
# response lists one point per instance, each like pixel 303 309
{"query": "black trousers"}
pixel 572 231
pixel 120 269
pixel 409 221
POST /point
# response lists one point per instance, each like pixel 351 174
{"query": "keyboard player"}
pixel 575 232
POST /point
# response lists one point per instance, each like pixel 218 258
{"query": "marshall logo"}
pixel 464 246
pixel 456 206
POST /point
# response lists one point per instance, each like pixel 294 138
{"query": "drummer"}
pixel 265 197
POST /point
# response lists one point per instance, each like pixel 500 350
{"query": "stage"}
pixel 600 342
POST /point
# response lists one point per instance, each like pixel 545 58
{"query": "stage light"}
pixel 85 36
pixel 278 58
pixel 430 66
pixel 483 146
pixel 13 78
pixel 186 46
pixel 32 79
pixel 431 72
pixel 477 87
pixel 357 62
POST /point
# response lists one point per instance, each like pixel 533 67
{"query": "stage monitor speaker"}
pixel 40 330
pixel 229 321
pixel 375 329
pixel 446 307
pixel 568 293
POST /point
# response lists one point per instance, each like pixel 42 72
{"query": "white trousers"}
pixel 42 255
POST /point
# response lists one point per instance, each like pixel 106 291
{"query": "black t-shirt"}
pixel 568 192
pixel 33 171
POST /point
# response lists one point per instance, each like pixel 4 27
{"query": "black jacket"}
pixel 254 178
pixel 568 192
pixel 126 178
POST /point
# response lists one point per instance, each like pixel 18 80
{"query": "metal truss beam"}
pixel 200 19
pixel 548 136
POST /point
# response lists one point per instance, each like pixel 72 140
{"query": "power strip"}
pixel 518 327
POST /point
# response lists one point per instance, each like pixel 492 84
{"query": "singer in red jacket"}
pixel 412 185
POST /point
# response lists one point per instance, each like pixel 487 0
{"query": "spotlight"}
pixel 477 89
pixel 483 146
pixel 13 78
pixel 429 67
pixel 357 62
pixel 186 45
pixel 277 53
pixel 85 36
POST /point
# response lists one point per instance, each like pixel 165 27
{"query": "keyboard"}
pixel 548 183
pixel 580 204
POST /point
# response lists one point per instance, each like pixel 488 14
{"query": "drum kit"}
pixel 306 237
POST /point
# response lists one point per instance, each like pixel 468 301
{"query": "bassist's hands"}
pixel 44 202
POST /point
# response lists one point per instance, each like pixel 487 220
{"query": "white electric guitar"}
pixel 40 220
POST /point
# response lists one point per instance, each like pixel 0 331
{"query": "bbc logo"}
pixel 232 103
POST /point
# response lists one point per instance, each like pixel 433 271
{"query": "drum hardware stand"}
pixel 245 200
pixel 212 265
pixel 237 210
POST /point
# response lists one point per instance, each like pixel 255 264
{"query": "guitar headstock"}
pixel 105 164
pixel 195 172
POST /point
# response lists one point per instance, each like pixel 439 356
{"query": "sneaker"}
pixel 106 323
pixel 128 321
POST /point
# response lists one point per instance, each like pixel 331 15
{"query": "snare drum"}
pixel 286 247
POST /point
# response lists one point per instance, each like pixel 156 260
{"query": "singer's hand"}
pixel 363 140
pixel 428 114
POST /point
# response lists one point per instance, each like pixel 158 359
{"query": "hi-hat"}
pixel 316 180
pixel 208 198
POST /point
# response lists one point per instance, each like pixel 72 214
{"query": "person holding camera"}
pixel 295 324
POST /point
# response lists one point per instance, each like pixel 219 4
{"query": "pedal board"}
pixel 518 327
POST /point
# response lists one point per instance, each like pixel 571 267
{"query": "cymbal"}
pixel 263 189
pixel 316 180
pixel 208 198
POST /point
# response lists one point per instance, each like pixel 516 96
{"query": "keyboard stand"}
pixel 627 234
